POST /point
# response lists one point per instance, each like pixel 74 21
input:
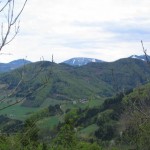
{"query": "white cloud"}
pixel 104 29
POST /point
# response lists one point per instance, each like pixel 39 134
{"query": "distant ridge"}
pixel 76 61
pixel 80 61
pixel 5 67
pixel 140 57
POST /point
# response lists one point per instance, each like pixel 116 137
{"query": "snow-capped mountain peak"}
pixel 80 61
pixel 134 56
pixel 140 57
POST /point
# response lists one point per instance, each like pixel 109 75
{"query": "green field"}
pixel 21 113
pixel 48 122
pixel 88 131
pixel 18 112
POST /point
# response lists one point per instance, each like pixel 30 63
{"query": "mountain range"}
pixel 65 82
pixel 80 61
pixel 4 67
pixel 98 98
pixel 76 61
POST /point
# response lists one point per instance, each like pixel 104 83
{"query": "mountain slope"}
pixel 4 67
pixel 140 57
pixel 80 61
pixel 63 82
pixel 125 113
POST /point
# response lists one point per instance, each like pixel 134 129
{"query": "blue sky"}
pixel 102 29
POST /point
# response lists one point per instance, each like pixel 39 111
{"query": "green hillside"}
pixel 120 122
pixel 123 119
pixel 47 84
pixel 45 80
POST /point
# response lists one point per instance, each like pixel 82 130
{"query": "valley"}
pixel 74 75
pixel 95 96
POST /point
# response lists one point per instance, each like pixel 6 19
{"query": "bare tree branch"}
pixel 145 53
pixel 25 79
pixel 5 5
pixel 11 23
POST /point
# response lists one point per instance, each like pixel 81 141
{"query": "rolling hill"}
pixel 54 91
pixel 46 81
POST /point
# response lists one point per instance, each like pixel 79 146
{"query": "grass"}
pixel 88 131
pixel 18 112
pixel 96 102
pixel 21 113
pixel 48 122
pixel 50 101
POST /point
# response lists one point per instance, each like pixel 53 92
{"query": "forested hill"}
pixel 121 121
pixel 42 80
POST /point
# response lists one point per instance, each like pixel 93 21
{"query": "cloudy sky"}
pixel 102 29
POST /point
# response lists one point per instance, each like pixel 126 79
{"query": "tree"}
pixel 29 135
pixel 9 29
pixel 136 118
pixel 10 21
pixel 66 138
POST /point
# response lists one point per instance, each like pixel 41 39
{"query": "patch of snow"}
pixel 73 61
pixel 143 59
pixel 134 56
pixel 93 60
